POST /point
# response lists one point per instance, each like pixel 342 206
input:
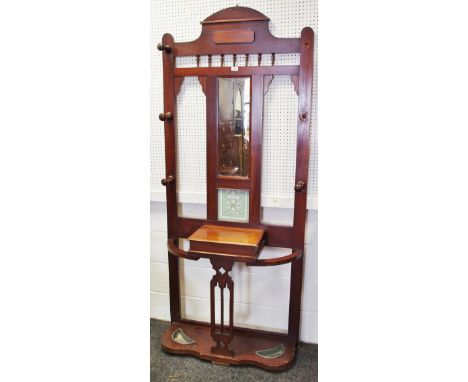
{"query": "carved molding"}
pixel 178 84
pixel 266 83
pixel 295 81
pixel 202 81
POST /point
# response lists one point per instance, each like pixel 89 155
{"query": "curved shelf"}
pixel 296 254
pixel 176 251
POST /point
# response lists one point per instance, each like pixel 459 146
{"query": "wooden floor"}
pixel 168 367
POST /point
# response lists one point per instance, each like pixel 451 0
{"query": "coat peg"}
pixel 166 117
pixel 166 181
pixel 299 186
pixel 166 48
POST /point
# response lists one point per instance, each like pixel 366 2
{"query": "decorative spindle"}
pixel 272 59
pixel 198 60
pixel 222 280
pixel 209 60
pixel 234 59
pixel 222 60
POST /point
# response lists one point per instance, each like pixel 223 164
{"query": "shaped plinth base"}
pixel 222 351
pixel 244 346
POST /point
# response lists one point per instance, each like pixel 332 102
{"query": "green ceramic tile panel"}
pixel 233 205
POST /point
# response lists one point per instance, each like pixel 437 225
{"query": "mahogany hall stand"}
pixel 234 123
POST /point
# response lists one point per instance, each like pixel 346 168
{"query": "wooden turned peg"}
pixel 166 48
pixel 166 181
pixel 166 117
pixel 299 186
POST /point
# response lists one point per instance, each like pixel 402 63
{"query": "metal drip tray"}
pixel 181 338
pixel 274 352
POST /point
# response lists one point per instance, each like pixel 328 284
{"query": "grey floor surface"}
pixel 168 367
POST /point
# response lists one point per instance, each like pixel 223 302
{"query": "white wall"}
pixel 260 302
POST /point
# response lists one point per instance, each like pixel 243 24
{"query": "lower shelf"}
pixel 244 346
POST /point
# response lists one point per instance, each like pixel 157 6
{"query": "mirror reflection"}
pixel 233 126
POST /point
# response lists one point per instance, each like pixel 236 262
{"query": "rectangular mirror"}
pixel 234 126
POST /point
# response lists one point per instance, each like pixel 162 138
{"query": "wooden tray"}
pixel 244 244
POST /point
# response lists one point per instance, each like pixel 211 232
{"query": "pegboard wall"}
pixel 191 138
pixel 182 19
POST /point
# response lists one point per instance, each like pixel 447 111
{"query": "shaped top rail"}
pixel 236 30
